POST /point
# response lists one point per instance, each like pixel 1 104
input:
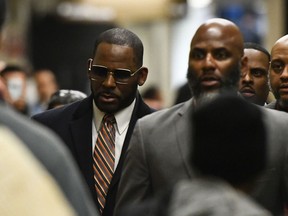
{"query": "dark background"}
pixel 64 47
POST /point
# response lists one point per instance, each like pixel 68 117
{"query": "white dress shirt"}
pixel 122 123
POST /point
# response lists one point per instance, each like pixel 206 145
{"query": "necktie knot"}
pixel 109 118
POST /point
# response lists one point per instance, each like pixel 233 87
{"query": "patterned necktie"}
pixel 104 157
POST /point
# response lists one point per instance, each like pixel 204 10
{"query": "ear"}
pixel 143 73
pixel 89 65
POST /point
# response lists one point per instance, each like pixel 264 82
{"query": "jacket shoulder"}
pixel 51 117
pixel 167 114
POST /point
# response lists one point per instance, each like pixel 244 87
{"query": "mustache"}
pixel 246 88
pixel 229 82
pixel 209 77
pixel 107 93
pixel 284 85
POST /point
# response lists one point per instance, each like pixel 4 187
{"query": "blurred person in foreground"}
pixel 27 188
pixel 253 85
pixel 278 74
pixel 98 128
pixel 158 154
pixel 227 163
pixel 63 97
pixel 48 150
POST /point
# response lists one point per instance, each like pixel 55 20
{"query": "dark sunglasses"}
pixel 120 75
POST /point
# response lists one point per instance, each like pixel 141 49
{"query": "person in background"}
pixel 46 85
pixel 278 74
pixel 158 154
pixel 152 96
pixel 63 97
pixel 253 85
pixel 106 118
pixel 15 78
pixel 4 94
pixel 183 94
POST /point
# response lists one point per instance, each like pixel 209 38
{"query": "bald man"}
pixel 278 74
pixel 159 152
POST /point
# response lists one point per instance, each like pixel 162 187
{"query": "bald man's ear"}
pixel 244 63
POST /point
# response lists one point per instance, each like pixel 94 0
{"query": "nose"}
pixel 109 81
pixel 209 63
pixel 284 74
pixel 246 77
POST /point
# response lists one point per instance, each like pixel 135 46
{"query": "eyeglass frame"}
pixel 90 65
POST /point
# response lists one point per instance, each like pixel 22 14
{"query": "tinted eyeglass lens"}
pixel 121 74
pixel 100 72
pixel 118 74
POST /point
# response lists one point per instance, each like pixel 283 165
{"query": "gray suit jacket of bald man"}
pixel 159 151
pixel 54 156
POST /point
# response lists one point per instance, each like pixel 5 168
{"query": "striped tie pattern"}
pixel 104 157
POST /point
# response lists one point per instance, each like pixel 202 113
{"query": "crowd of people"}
pixel 221 150
pixel 43 82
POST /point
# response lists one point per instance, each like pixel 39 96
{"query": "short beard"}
pixel 228 85
pixel 283 103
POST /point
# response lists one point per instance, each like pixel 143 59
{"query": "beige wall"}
pixel 276 22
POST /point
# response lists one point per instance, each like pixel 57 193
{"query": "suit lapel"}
pixel 140 110
pixel 183 133
pixel 81 133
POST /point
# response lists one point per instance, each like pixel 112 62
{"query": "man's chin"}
pixel 206 97
pixel 107 108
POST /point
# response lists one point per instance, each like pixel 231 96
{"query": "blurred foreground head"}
pixel 229 140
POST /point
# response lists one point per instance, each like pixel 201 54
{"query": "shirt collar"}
pixel 122 117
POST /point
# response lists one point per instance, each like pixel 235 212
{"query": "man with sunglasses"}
pixel 115 71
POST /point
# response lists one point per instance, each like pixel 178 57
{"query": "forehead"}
pixel 216 37
pixel 280 50
pixel 44 75
pixel 113 52
pixel 256 57
pixel 15 73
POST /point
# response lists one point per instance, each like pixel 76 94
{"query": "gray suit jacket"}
pixel 52 154
pixel 159 156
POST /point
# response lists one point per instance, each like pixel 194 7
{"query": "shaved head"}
pixel 222 29
pixel 280 42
